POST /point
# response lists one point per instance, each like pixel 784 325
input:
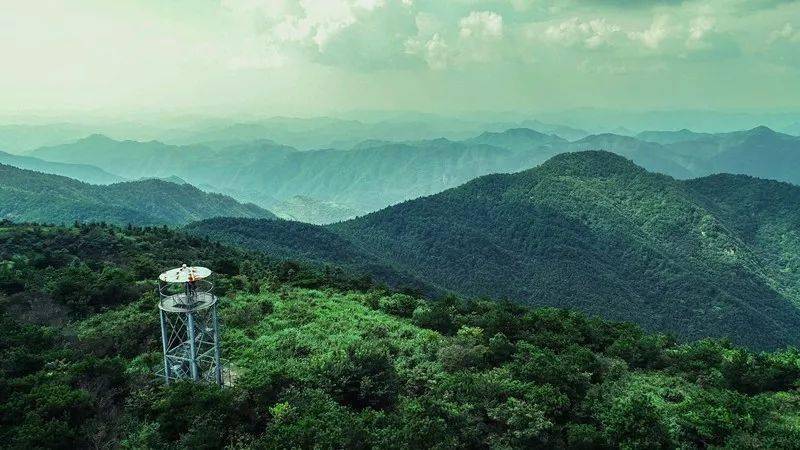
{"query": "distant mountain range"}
pixel 378 173
pixel 363 179
pixel 715 256
pixel 33 196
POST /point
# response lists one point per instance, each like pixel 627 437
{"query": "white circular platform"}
pixel 184 274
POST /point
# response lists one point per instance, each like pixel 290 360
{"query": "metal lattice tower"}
pixel 189 326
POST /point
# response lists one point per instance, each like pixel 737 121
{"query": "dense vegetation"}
pixel 306 242
pixel 591 231
pixel 321 359
pixel 32 196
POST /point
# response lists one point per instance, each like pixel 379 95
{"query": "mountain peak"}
pixel 589 163
pixel 761 130
pixel 96 138
pixel 523 132
pixel 514 133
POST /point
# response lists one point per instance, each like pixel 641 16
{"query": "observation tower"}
pixel 189 326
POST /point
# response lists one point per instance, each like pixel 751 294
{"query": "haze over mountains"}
pixel 377 173
pixel 83 172
pixel 591 231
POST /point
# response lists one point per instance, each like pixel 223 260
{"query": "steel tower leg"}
pixel 216 347
pixel 164 344
pixel 192 349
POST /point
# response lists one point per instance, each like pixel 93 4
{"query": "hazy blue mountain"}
pixel 670 137
pixel 32 196
pixel 82 172
pixel 566 132
pixel 518 139
pixel 365 179
pixel 793 129
pixel 592 231
pixel 376 173
pixel 759 152
pixel 327 132
pixel 226 169
pixel 707 121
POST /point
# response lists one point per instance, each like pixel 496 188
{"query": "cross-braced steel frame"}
pixel 190 335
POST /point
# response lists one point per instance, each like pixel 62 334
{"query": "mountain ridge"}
pixel 593 231
pixel 32 196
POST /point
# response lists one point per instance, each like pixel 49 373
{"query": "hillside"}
pixel 593 231
pixel 32 196
pixel 321 361
pixel 309 243
pixel 309 210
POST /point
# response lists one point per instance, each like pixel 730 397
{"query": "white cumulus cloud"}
pixel 481 24
pixel 699 28
pixel 653 36
pixel 591 34
pixel 787 32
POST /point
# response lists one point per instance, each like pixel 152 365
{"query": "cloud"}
pixel 370 35
pixel 362 34
pixel 699 28
pixel 481 24
pixel 435 51
pixel 786 33
pixel 590 34
pixel 427 43
pixel 653 36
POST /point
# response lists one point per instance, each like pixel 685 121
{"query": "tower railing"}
pixel 184 297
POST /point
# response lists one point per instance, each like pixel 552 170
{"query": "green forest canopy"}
pixel 716 256
pixel 328 360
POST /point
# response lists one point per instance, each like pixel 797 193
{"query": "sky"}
pixel 317 57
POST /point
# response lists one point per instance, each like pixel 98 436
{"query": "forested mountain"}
pixel 32 196
pixel 592 231
pixel 309 243
pixel 322 360
pixel 651 156
pixel 81 172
